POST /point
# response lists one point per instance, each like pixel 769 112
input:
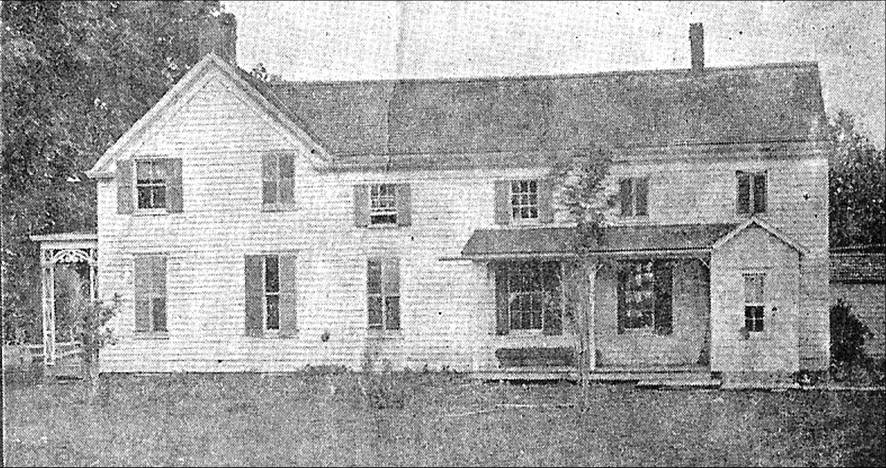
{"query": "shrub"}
pixel 847 339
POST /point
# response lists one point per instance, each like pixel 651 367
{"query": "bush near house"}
pixel 848 358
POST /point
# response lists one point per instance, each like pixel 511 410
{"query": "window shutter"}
pixel 641 194
pixel 625 197
pixel 287 178
pixel 622 279
pixel 545 200
pixel 142 281
pixel 760 193
pixel 552 307
pixel 501 300
pixel 361 205
pixel 663 274
pixel 743 204
pixel 269 178
pixel 124 186
pixel 404 205
pixel 288 295
pixel 254 294
pixel 174 185
pixel 502 202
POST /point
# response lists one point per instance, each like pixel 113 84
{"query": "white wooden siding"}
pixel 447 307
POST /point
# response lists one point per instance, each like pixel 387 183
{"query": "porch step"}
pixel 699 382
pixel 530 373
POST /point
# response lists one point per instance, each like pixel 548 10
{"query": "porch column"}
pixel 47 273
pixel 591 316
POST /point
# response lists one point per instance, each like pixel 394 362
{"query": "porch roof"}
pixel 558 242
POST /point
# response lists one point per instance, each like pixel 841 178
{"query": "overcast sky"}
pixel 350 41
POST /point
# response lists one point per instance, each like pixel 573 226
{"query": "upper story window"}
pixel 150 184
pixel 278 176
pixel 633 196
pixel 752 188
pixel 382 204
pixel 753 302
pixel 524 199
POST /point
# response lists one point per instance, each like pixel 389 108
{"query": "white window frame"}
pixel 761 303
pixel 135 185
pixel 383 206
pixel 523 203
pixel 266 294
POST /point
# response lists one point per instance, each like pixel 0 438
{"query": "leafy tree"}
pixel 857 186
pixel 76 75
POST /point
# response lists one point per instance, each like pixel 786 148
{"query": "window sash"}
pixel 528 295
pixel 752 192
pixel 639 296
pixel 524 199
pixel 754 301
pixel 271 288
pixel 383 306
pixel 150 184
pixel 278 180
pixel 634 196
pixel 383 204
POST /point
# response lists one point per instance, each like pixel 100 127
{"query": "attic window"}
pixel 524 199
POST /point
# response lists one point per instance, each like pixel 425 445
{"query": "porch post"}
pixel 590 316
pixel 48 303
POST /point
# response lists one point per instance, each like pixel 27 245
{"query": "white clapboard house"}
pixel 270 225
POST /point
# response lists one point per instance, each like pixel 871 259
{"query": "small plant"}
pixel 848 335
pixel 382 389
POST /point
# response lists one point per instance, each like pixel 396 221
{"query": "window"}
pixel 639 295
pixel 645 296
pixel 272 292
pixel 753 302
pixel 150 184
pixel 383 294
pixel 533 287
pixel 150 293
pixel 278 175
pixel 382 204
pixel 752 188
pixel 633 195
pixel 524 199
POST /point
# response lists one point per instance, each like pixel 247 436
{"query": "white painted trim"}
pixel 753 220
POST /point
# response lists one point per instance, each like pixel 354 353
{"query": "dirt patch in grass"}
pixel 325 419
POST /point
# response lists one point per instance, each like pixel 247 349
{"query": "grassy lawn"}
pixel 444 420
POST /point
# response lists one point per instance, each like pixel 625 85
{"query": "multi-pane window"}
pixel 639 295
pixel 524 199
pixel 383 294
pixel 382 204
pixel 272 292
pixel 278 176
pixel 753 302
pixel 752 188
pixel 532 287
pixel 633 196
pixel 150 183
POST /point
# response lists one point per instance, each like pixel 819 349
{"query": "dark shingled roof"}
pixel 766 103
pixel 858 265
pixel 559 241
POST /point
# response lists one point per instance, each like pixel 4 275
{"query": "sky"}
pixel 371 40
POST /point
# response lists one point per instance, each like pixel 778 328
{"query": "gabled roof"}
pixel 754 221
pixel 355 119
pixel 559 241
pixel 259 97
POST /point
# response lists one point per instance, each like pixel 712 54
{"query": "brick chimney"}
pixel 696 46
pixel 219 34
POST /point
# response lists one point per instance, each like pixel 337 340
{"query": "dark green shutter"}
pixel 361 205
pixel 142 282
pixel 663 286
pixel 502 202
pixel 501 299
pixel 625 197
pixel 404 205
pixel 545 200
pixel 641 195
pixel 288 295
pixel 760 193
pixel 553 314
pixel 174 185
pixel 621 281
pixel 254 294
pixel 743 204
pixel 124 186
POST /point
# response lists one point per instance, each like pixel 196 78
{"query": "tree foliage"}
pixel 857 180
pixel 76 75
